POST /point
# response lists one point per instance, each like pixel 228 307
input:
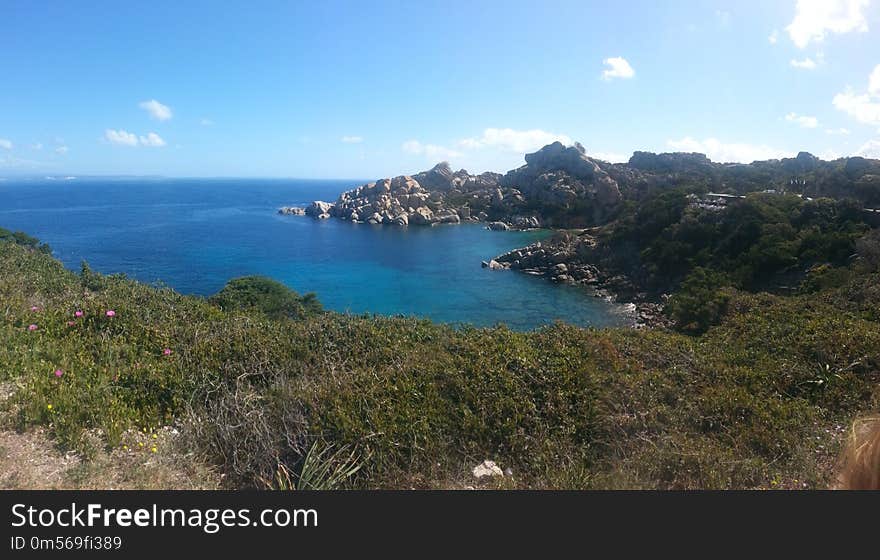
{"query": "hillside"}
pixel 759 400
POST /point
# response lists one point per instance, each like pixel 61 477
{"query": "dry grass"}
pixel 30 460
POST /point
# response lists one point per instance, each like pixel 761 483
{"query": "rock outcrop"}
pixel 399 201
pixel 292 211
pixel 319 209
pixel 559 259
pixel 565 178
pixel 556 180
pixel 436 196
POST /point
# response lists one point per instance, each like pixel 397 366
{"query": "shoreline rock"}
pixel 565 259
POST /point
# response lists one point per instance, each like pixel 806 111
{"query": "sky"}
pixel 372 89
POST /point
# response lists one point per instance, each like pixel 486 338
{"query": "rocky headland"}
pixel 555 178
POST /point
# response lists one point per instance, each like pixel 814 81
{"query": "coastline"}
pixel 562 258
pixel 553 261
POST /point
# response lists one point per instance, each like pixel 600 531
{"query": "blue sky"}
pixel 373 89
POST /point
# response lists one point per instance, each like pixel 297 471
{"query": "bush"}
pixel 700 302
pixel 868 250
pixel 25 240
pixel 268 296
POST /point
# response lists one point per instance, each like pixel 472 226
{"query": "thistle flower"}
pixel 77 313
pixel 32 327
pixel 110 313
pixel 167 351
pixel 59 373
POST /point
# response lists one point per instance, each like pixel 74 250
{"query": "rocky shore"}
pixel 566 258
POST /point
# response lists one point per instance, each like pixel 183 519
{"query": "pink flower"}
pixel 58 373
pixel 71 323
pixel 111 313
pixel 78 313
pixel 32 327
pixel 167 351
pixel 35 308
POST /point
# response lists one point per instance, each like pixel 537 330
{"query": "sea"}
pixel 196 234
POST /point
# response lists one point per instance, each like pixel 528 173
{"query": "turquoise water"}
pixel 195 234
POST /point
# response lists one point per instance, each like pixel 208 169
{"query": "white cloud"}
pixel 611 157
pixel 120 137
pixel 871 149
pixel 510 140
pixel 864 107
pixel 723 152
pixel 495 148
pixel 861 107
pixel 37 146
pixel 874 81
pixel 431 151
pixel 802 120
pixel 837 131
pixel 5 144
pixel 805 64
pixel 206 122
pixel 774 36
pixel 156 110
pixel 61 150
pixel 814 19
pixel 124 138
pixel 152 140
pixel 352 139
pixel 829 155
pixel 618 67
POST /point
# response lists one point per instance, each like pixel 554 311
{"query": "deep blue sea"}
pixel 195 234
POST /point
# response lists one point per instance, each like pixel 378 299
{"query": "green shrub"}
pixel 264 294
pixel 25 240
pixel 700 302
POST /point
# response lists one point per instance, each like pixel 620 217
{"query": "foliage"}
pixel 762 242
pixel 24 240
pixel 272 298
pixel 868 250
pixel 700 302
pixel 322 468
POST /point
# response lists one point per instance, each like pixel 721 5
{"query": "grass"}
pixel 752 403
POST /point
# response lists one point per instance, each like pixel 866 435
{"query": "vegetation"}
pixel 762 242
pixel 268 296
pixel 700 302
pixel 21 238
pixel 272 396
